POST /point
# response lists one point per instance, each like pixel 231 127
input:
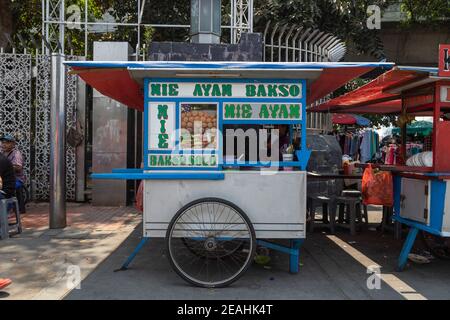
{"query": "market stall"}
pixel 212 205
pixel 420 186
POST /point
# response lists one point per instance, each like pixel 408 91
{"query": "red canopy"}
pixel 115 83
pixel 381 95
pixel 343 119
pixel 332 79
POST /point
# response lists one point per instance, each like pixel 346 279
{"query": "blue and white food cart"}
pixel 212 212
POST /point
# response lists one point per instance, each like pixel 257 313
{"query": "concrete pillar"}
pixel 110 128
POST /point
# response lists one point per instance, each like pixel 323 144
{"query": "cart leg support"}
pixel 407 246
pixel 133 254
pixel 294 257
pixel 293 251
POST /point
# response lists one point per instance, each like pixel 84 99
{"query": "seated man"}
pixel 7 178
pixel 13 154
pixel 7 188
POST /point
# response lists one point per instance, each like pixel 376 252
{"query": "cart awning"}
pixel 123 81
pixel 383 94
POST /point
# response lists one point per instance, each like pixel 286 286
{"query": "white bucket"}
pixel 288 157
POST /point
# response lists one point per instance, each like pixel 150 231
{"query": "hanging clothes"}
pixel 391 154
pixel 365 147
pixel 349 143
pixel 369 145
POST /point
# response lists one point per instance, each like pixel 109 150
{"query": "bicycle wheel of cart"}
pixel 211 242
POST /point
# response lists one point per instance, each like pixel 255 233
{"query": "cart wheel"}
pixel 231 247
pixel 438 246
pixel 211 242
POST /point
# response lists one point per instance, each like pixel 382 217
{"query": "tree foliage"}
pixel 344 19
pixel 426 12
pixel 23 20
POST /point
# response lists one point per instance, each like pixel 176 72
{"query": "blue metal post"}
pixel 133 254
pixel 294 255
pixel 407 246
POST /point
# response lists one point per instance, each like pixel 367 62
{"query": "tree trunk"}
pixel 6 22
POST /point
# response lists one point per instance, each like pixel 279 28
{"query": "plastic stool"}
pixel 357 193
pixel 7 205
pixel 353 212
pixel 328 211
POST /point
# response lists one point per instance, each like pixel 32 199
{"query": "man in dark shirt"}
pixel 7 188
pixel 7 178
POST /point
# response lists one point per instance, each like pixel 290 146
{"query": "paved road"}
pixel 332 268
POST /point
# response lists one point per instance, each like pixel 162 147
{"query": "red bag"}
pixel 140 197
pixel 377 188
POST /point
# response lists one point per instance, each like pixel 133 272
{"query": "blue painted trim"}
pixel 165 152
pixel 177 125
pixel 437 203
pixel 220 128
pixel 418 225
pixel 134 253
pixel 303 157
pixel 226 65
pixel 303 147
pixel 263 164
pixel 407 246
pixel 436 174
pixel 184 151
pixel 146 122
pixel 419 69
pixel 160 176
pixel 186 168
pixel 268 121
pixel 225 99
pixel 294 257
pixel 127 170
pixel 275 246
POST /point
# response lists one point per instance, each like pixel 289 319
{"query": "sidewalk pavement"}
pixel 41 261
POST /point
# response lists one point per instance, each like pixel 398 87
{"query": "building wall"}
pixel 250 48
pixel 415 45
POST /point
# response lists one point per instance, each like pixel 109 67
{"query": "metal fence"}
pixel 15 101
pixel 25 84
pixel 292 43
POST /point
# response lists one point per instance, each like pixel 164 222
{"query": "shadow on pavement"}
pixel 327 272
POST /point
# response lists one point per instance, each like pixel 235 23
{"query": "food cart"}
pixel 214 207
pixel 421 188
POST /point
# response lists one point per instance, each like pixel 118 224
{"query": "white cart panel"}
pixel 415 204
pixel 275 204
